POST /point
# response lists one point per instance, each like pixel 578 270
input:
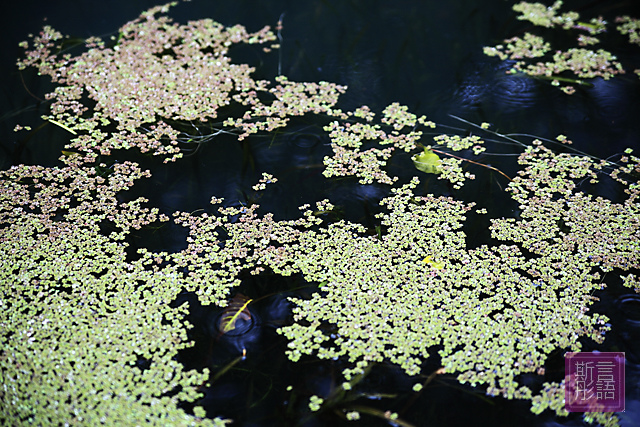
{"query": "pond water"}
pixel 426 55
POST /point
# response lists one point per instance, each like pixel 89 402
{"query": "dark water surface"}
pixel 426 55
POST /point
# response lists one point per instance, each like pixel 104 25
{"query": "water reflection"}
pixel 513 92
pixel 242 338
pixel 611 100
pixel 629 306
pixel 490 87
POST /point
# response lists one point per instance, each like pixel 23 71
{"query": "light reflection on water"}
pixel 492 88
pixel 629 306
pixel 611 100
pixel 513 92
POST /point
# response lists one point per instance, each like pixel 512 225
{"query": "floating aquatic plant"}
pixel 629 26
pixel 88 332
pixel 544 16
pixel 159 72
pixel 87 336
pixel 566 68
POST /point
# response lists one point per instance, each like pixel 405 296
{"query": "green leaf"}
pixel 427 162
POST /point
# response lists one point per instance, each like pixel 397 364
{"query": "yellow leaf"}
pixel 438 265
pixel 237 309
pixel 427 162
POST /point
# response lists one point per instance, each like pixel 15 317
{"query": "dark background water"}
pixel 426 55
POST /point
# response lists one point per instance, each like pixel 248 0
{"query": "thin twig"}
pixel 471 161
pixel 281 40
